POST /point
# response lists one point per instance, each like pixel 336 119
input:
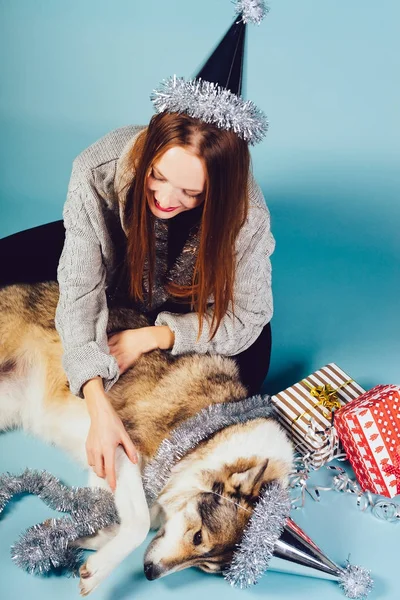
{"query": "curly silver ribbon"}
pixel 341 482
pixel 323 445
pixel 328 444
pixel 382 509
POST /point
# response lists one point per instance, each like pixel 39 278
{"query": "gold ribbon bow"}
pixel 326 395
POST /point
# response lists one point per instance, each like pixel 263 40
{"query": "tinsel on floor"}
pixel 47 546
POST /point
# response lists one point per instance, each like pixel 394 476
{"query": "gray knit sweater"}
pixel 93 219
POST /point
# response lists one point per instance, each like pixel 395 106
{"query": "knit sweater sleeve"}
pixel 82 312
pixel 253 305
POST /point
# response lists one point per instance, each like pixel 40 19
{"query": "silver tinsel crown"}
pixel 212 104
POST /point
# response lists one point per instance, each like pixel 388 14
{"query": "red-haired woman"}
pixel 169 219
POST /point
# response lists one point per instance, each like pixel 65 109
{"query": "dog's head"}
pixel 204 529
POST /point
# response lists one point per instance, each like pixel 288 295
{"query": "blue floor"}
pixel 327 75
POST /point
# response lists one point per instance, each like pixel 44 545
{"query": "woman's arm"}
pixel 82 312
pixel 106 433
pixel 81 320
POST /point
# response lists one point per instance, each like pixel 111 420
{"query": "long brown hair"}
pixel 226 161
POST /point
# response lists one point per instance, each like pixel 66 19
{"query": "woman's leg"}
pixel 254 362
pixel 32 255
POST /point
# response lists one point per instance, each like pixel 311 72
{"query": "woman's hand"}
pixel 106 433
pixel 129 345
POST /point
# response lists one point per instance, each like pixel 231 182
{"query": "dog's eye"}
pixel 197 538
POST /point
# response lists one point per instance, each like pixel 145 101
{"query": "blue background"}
pixel 326 72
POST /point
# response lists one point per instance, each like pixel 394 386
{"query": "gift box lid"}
pixel 298 406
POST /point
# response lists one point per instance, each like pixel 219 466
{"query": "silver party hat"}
pixel 296 553
pixel 273 541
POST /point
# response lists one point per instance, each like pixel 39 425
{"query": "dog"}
pixel 204 507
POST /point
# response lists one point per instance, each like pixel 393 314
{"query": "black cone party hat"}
pixel 225 65
pixel 214 94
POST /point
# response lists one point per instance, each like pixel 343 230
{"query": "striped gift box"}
pixel 298 410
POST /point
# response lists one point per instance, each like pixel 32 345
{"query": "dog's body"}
pixel 210 495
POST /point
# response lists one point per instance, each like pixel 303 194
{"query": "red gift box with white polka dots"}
pixel 369 429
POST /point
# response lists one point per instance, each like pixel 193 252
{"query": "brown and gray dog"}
pixel 205 505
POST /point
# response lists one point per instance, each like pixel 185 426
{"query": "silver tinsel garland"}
pixel 191 432
pixel 212 104
pixel 47 546
pixel 251 559
pixel 180 273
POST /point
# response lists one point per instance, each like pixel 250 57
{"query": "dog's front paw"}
pixel 88 580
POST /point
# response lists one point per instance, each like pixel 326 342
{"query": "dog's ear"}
pixel 249 481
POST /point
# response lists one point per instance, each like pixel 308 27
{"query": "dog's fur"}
pixel 207 502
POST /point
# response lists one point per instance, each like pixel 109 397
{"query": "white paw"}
pixel 90 576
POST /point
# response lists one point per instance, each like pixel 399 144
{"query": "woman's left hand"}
pixel 129 345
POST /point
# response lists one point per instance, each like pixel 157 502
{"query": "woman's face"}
pixel 175 183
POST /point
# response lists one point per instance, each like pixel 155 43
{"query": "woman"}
pixel 167 219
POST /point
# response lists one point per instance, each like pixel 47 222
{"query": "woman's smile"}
pixel 159 207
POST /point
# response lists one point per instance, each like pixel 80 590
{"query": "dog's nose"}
pixel 152 571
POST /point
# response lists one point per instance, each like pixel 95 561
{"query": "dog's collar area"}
pixel 194 430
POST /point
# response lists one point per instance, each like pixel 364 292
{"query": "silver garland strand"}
pixel 212 104
pixel 181 272
pixel 252 557
pixel 191 432
pixel 356 582
pixel 252 11
pixel 159 295
pixel 46 546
